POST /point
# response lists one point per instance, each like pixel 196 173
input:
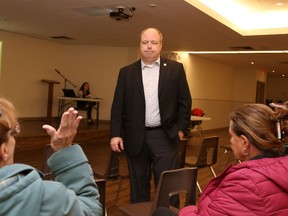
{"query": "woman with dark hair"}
pixel 259 184
pixel 84 92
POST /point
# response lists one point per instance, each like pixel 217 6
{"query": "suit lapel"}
pixel 138 77
pixel 163 73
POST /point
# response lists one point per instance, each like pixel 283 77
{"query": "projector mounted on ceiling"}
pixel 120 14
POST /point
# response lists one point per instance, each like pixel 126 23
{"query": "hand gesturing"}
pixel 67 130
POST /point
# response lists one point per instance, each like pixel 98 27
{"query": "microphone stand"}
pixel 65 79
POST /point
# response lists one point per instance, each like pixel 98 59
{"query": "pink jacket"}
pixel 255 187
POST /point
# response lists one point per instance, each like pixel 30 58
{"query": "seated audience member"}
pixel 84 92
pixel 259 184
pixel 23 192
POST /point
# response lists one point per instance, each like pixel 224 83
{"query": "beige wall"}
pixel 99 66
pixel 277 88
pixel 216 88
pixel 26 61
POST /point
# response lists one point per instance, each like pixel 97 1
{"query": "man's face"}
pixel 150 46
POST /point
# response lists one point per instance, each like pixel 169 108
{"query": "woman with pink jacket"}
pixel 259 184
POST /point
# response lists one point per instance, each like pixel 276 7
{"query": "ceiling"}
pixel 185 28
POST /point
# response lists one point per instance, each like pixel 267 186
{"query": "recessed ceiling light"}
pixel 252 62
pixel 152 5
pixel 279 4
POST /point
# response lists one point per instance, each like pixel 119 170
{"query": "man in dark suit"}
pixel 150 114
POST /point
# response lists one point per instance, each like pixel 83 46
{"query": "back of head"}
pixel 258 123
pixel 8 120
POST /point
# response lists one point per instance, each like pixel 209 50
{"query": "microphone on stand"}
pixel 65 79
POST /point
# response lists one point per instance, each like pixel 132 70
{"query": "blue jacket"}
pixel 74 192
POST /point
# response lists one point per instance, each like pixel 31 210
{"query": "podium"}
pixel 50 97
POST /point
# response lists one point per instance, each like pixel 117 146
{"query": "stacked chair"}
pixel 101 183
pixel 207 156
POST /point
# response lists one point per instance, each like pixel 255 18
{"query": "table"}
pixel 62 104
pixel 196 121
pixel 199 118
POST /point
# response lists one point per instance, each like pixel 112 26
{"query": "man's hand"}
pixel 116 144
pixel 180 134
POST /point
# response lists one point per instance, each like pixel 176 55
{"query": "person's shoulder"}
pixel 132 65
pixel 167 62
pixel 14 169
pixel 253 169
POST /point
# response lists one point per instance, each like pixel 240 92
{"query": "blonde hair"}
pixel 258 123
pixel 8 120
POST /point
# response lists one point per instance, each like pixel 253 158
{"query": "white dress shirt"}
pixel 150 76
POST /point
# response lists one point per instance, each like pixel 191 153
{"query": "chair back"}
pixel 173 182
pixel 112 172
pixel 101 184
pixel 182 152
pixel 48 151
pixel 112 168
pixel 208 152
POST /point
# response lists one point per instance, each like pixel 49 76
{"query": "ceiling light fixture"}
pixel 279 4
pixel 257 20
pixel 238 52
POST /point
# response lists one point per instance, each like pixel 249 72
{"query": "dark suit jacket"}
pixel 128 108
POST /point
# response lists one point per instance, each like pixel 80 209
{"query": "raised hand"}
pixel 67 130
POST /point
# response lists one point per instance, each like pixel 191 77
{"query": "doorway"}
pixel 260 92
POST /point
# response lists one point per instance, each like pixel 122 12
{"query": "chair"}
pixel 171 182
pixel 182 152
pixel 207 156
pixel 101 183
pixel 48 151
pixel 112 172
pixel 197 125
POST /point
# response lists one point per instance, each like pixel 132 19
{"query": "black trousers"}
pixel 159 154
pixel 86 106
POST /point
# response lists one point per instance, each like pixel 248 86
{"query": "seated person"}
pixel 259 184
pixel 84 92
pixel 23 192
